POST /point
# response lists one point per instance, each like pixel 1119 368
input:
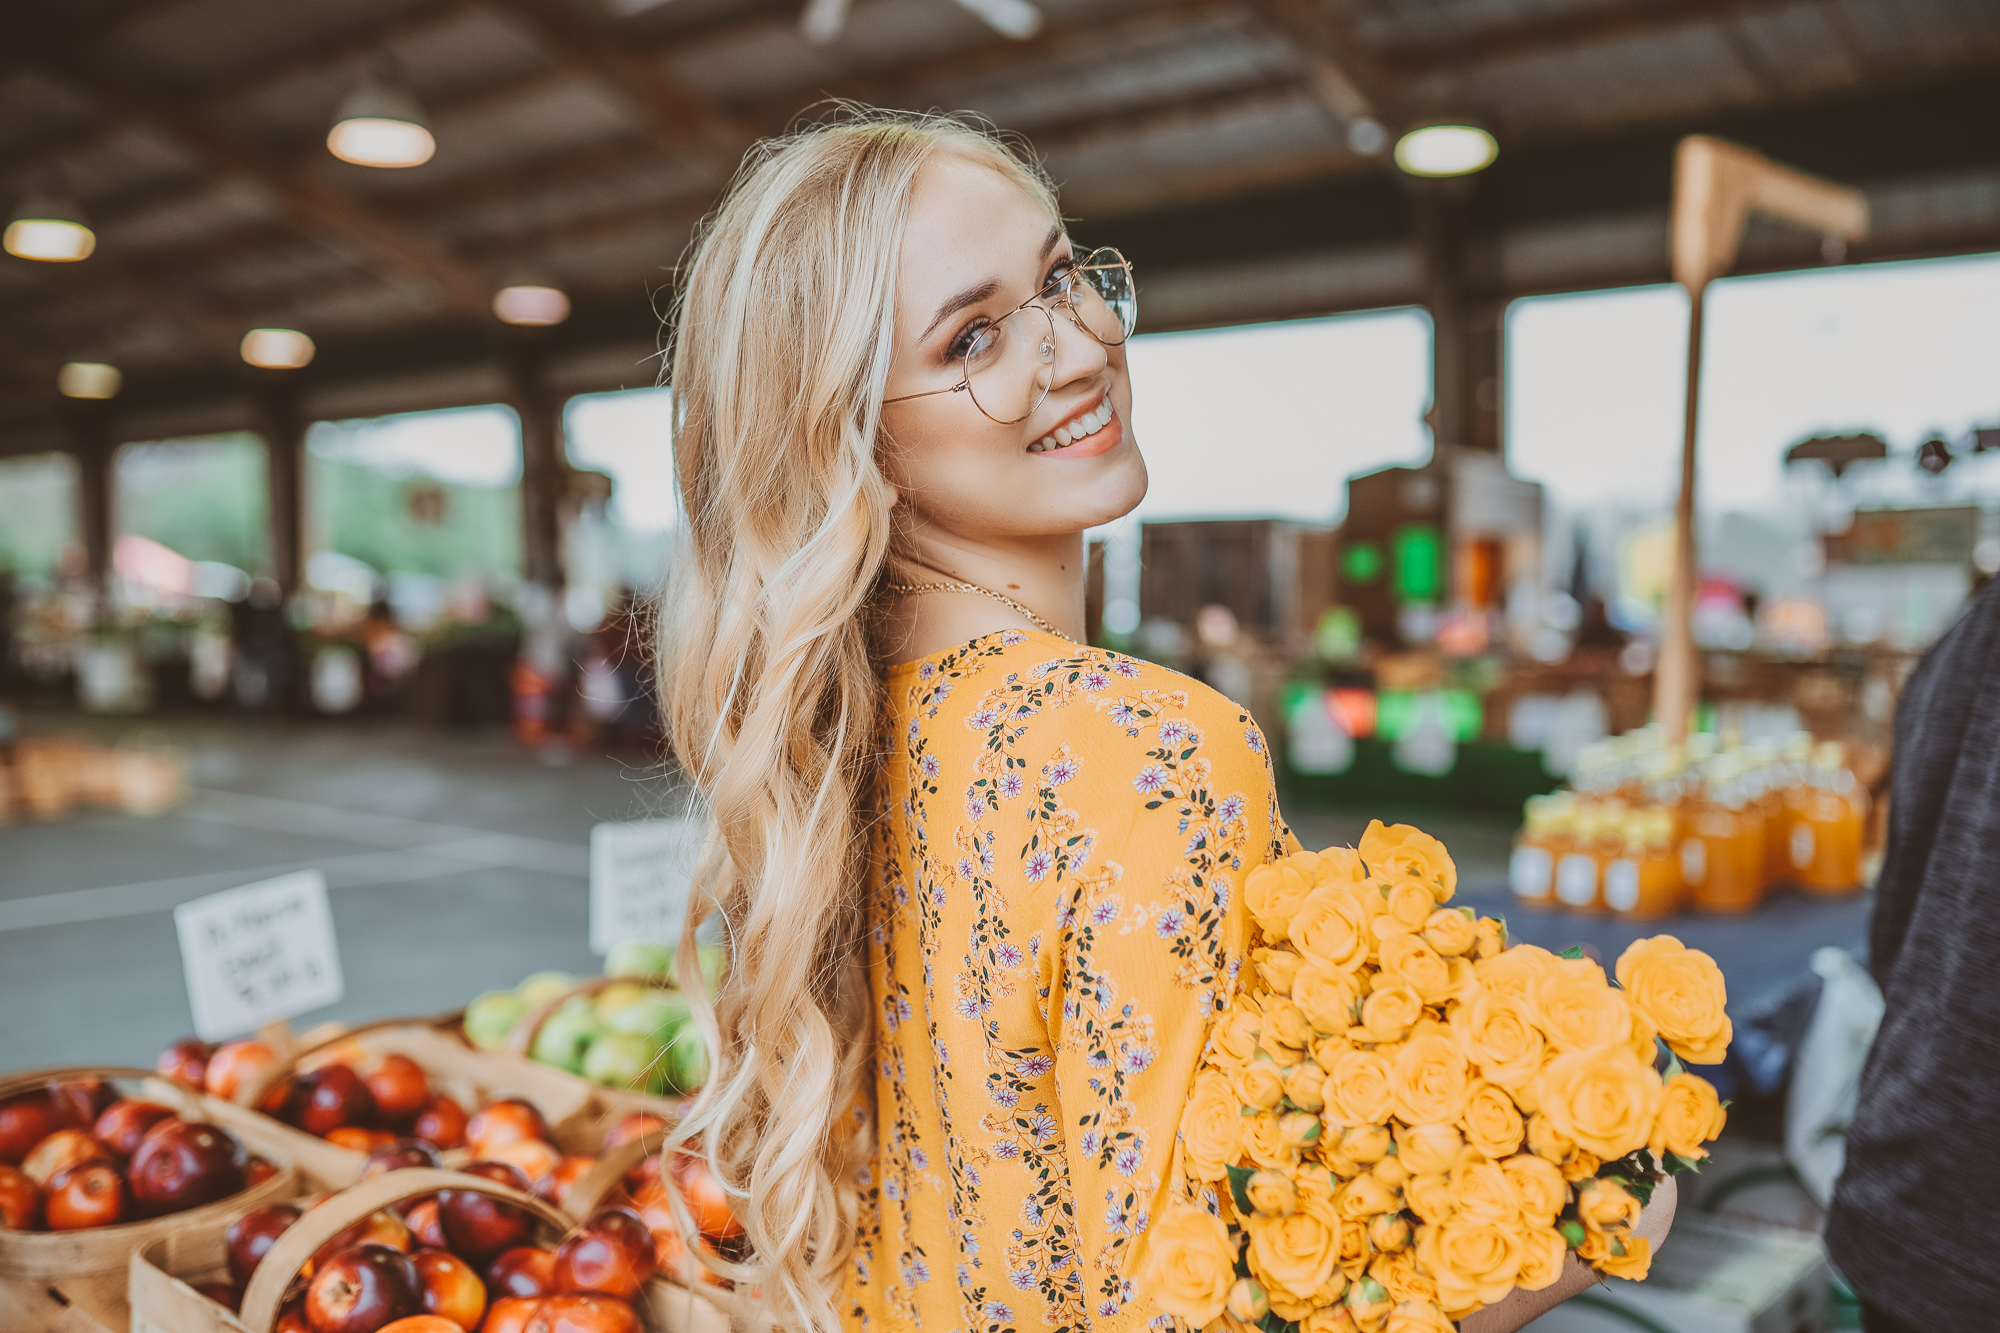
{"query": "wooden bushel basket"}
pixel 64 1281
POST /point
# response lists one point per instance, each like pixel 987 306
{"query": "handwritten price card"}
pixel 639 877
pixel 258 954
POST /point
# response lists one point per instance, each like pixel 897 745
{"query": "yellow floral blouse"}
pixel 1055 914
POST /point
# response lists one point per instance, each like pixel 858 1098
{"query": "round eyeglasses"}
pixel 1009 365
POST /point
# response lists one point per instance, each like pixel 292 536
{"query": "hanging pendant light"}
pixel 277 349
pixel 50 228
pixel 1455 149
pixel 381 124
pixel 88 379
pixel 528 296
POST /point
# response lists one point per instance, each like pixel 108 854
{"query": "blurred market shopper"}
pixel 978 882
pixel 1921 1178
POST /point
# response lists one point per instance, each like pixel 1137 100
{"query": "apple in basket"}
pixel 478 1225
pixel 24 1122
pixel 497 1124
pixel 612 1255
pixel 91 1195
pixel 20 1199
pixel 127 1121
pixel 251 1236
pixel 60 1151
pixel 185 1062
pixel 333 1097
pixel 452 1288
pixel 361 1288
pixel 183 1164
pixel 399 1087
pixel 236 1064
pixel 523 1271
pixel 442 1122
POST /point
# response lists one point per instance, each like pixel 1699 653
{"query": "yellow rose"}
pixel 1418 1316
pixel 1404 852
pixel 1365 1196
pixel 1429 1150
pixel 1430 1080
pixel 1271 1193
pixel 1542 1255
pixel 1369 1302
pixel 1420 966
pixel 1492 1122
pixel 1389 1169
pixel 1405 904
pixel 1248 1301
pixel 1451 931
pixel 1515 972
pixel 1358 1090
pixel 1629 1257
pixel 1539 1189
pixel 1328 1050
pixel 1689 1115
pixel 1490 936
pixel 1236 1035
pixel 1604 1100
pixel 1578 1009
pixel 1264 1141
pixel 1329 1319
pixel 1400 1274
pixel 1286 1032
pixel 1548 1142
pixel 1261 1084
pixel 1331 926
pixel 1480 1189
pixel 1354 1251
pixel 1474 1261
pixel 1365 1144
pixel 1305 1086
pixel 1339 865
pixel 1297 1253
pixel 1606 1207
pixel 1299 1128
pixel 1497 1033
pixel 1316 1194
pixel 1329 1294
pixel 1391 1009
pixel 1682 991
pixel 1212 1126
pixel 1273 892
pixel 1189 1264
pixel 1581 1166
pixel 1430 1197
pixel 1278 967
pixel 1388 1233
pixel 1326 996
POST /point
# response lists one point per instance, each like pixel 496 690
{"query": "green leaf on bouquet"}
pixel 1572 1232
pixel 1574 951
pixel 1239 1189
pixel 1270 1323
pixel 1677 1164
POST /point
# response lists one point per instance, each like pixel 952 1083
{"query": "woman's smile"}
pixel 1092 429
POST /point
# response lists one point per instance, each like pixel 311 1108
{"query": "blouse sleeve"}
pixel 1147 941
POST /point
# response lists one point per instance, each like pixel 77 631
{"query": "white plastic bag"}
pixel 1827 1074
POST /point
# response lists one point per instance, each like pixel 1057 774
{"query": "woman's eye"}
pixel 962 345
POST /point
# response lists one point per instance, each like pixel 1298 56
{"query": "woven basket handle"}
pixel 253 1091
pixel 28 1080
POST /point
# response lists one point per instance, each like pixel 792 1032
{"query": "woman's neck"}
pixel 1044 574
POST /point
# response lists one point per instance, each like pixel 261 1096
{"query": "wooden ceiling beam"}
pixel 1345 75
pixel 1566 31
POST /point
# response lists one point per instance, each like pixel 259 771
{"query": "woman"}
pixel 977 880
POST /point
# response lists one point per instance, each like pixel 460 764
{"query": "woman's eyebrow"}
pixel 981 291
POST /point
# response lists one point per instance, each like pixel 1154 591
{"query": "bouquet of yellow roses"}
pixel 1399 1119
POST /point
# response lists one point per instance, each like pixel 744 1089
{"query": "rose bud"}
pixel 1278 967
pixel 1305 1086
pixel 1390 1171
pixel 1272 1194
pixel 1389 1232
pixel 1300 1129
pixel 1366 1143
pixel 1369 1302
pixel 1248 1301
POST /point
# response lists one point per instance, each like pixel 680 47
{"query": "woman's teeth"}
pixel 1082 428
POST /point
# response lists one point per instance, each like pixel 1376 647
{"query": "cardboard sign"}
pixel 258 954
pixel 639 877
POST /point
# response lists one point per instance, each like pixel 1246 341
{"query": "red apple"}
pixel 20 1199
pixel 556 1185
pixel 79 1103
pixel 257 1170
pixel 183 1164
pixel 380 1227
pixel 186 1061
pixel 292 1317
pixel 510 1314
pixel 705 1197
pixel 333 1096
pixel 399 1087
pixel 523 1271
pixel 479 1226
pixel 496 1124
pixel 424 1226
pixel 223 1294
pixel 441 1123
pixel 251 1236
pixel 60 1151
pixel 612 1255
pixel 535 1157
pixel 362 1288
pixel 398 1155
pixel 90 1195
pixel 25 1121
pixel 583 1314
pixel 355 1139
pixel 640 1124
pixel 423 1323
pixel 126 1121
pixel 236 1064
pixel 452 1288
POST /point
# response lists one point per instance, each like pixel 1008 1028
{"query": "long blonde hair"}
pixel 783 336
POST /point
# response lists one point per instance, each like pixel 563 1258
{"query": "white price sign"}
pixel 639 877
pixel 258 954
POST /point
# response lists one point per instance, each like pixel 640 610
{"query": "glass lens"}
pixel 1102 296
pixel 1010 364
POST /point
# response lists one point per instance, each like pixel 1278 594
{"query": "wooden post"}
pixel 1676 675
pixel 87 424
pixel 1459 284
pixel 544 470
pixel 280 411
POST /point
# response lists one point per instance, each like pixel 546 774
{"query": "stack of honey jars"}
pixel 1646 830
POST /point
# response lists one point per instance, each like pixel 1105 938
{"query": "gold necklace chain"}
pixel 955 586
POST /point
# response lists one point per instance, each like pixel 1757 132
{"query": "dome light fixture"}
pixel 50 229
pixel 531 304
pixel 381 124
pixel 88 379
pixel 1446 150
pixel 277 349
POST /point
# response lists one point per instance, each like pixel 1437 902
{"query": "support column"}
pixel 525 356
pixel 1462 293
pixel 280 410
pixel 90 441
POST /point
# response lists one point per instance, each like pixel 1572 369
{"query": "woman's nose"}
pixel 1078 356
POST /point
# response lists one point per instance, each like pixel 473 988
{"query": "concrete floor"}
pixel 457 863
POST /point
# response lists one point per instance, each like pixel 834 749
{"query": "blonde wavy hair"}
pixel 783 334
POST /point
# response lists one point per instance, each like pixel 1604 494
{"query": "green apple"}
pixel 657 1014
pixel 620 1059
pixel 685 1067
pixel 568 1033
pixel 490 1019
pixel 541 987
pixel 620 995
pixel 639 958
